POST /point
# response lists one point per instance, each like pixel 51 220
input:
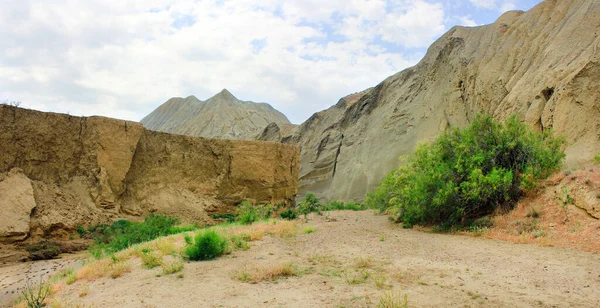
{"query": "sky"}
pixel 124 58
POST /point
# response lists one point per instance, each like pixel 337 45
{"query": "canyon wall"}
pixel 59 171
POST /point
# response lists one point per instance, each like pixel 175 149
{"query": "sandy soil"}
pixel 353 259
pixel 15 276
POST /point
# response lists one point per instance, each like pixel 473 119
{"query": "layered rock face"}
pixel 542 65
pixel 59 171
pixel 221 116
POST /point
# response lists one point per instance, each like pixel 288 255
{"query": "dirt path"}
pixel 358 259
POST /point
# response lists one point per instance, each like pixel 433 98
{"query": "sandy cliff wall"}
pixel 81 171
pixel 542 65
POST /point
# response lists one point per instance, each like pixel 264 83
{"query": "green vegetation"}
pixel 35 296
pixel 207 245
pixel 123 233
pixel 43 250
pixel 341 206
pixel 289 214
pixel 309 205
pixel 597 159
pixel 248 213
pixel 468 173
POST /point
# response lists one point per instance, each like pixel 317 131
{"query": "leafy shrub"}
pixel 43 250
pixel 206 246
pixel 247 213
pixel 81 231
pixel 310 204
pixel 467 173
pixel 123 233
pixel 228 217
pixel 289 214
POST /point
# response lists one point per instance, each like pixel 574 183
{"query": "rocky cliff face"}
pixel 543 65
pixel 221 116
pixel 59 171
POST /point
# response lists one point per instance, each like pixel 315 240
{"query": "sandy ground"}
pixel 15 276
pixel 353 259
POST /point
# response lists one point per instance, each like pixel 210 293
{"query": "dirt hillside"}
pixel 58 172
pixel 221 116
pixel 543 65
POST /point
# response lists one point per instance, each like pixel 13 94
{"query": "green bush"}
pixel 467 173
pixel 309 205
pixel 247 213
pixel 206 246
pixel 289 214
pixel 341 206
pixel 123 233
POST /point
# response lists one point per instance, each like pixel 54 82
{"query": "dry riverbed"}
pixel 356 259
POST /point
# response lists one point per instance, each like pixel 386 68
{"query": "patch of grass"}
pixel 151 260
pixel 390 300
pixel 342 206
pixel 171 267
pixel 597 159
pixel 356 277
pixel 85 291
pixel 257 274
pixel 123 233
pixel 381 281
pixel 207 245
pixel 117 270
pixel 240 242
pixel 363 262
pixel 308 230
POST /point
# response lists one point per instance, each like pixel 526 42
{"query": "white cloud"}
pixel 124 58
pixel 499 5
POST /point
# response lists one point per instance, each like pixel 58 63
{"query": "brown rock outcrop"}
pixel 89 170
pixel 16 203
pixel 542 65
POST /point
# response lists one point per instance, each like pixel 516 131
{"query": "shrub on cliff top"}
pixel 467 173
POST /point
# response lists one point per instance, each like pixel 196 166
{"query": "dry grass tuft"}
pixel 363 262
pixel 255 274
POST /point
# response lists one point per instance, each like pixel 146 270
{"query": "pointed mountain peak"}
pixel 225 95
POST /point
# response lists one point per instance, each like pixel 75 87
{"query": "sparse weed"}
pixel 358 277
pixel 390 300
pixel 266 273
pixel 308 230
pixel 171 267
pixel 151 260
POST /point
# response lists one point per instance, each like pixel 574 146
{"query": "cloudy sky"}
pixel 124 58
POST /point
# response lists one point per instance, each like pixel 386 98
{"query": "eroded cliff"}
pixel 58 171
pixel 542 65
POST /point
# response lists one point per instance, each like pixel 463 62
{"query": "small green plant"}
pixel 207 245
pixel 35 296
pixel 228 217
pixel 289 214
pixel 597 159
pixel 188 239
pixel 308 230
pixel 567 200
pixel 247 213
pixel 240 242
pixel 81 231
pixel 309 205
